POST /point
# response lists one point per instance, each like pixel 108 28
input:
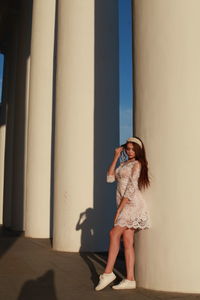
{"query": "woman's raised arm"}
pixel 111 169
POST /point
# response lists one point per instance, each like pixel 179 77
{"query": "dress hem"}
pixel 138 228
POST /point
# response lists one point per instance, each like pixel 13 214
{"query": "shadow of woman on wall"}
pixel 86 225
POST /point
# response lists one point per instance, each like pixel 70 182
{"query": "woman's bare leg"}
pixel 115 234
pixel 128 239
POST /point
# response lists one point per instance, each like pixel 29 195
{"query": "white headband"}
pixel 135 140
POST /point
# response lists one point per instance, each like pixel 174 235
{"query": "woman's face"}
pixel 130 151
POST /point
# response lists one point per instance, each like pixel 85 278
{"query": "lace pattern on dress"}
pixel 129 219
pixel 135 213
pixel 132 185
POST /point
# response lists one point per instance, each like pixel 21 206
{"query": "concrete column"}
pixel 37 219
pixel 167 92
pixel 74 120
pixel 82 122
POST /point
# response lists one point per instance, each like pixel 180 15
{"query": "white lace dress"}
pixel 135 213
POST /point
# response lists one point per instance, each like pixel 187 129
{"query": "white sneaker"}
pixel 125 284
pixel 104 280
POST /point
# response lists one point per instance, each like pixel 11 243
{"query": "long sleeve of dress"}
pixel 110 178
pixel 132 184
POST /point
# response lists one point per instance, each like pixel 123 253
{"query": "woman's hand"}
pixel 123 202
pixel 116 216
pixel 118 151
pixel 111 169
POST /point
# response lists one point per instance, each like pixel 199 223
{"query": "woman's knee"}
pixel 115 233
pixel 128 239
pixel 128 243
pixel 112 233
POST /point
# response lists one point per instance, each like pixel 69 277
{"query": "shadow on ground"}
pixel 7 238
pixel 100 258
pixel 40 288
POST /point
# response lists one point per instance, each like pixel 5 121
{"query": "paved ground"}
pixel 30 269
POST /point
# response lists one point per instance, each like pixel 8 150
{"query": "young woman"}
pixel 132 213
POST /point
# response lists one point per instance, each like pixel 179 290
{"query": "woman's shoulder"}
pixel 137 164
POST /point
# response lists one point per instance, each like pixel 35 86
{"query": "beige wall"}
pixel 167 90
